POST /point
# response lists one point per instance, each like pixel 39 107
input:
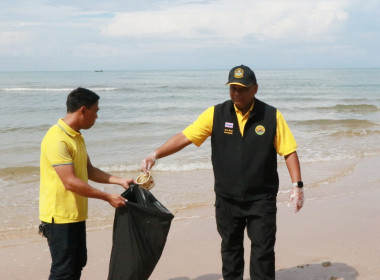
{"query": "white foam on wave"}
pixel 3 183
pixel 37 89
pixel 186 218
pixel 160 167
pixel 55 89
pixel 327 157
pixel 180 166
pixel 184 167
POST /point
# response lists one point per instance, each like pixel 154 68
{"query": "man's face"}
pixel 90 115
pixel 243 97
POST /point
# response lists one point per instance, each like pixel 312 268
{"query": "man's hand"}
pixel 148 163
pixel 125 182
pixel 296 196
pixel 116 200
pixel 173 145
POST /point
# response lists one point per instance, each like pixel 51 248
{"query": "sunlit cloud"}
pixel 234 20
pixel 129 33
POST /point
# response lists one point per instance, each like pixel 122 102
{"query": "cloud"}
pixel 44 27
pixel 165 34
pixel 12 41
pixel 231 20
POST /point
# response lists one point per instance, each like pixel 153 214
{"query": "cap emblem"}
pixel 239 73
pixel 260 130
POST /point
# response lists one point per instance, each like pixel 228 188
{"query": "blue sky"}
pixel 188 34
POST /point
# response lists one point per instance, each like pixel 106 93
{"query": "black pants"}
pixel 259 217
pixel 67 244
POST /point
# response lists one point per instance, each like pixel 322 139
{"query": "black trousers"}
pixel 259 217
pixel 67 244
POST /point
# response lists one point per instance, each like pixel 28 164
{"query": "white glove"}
pixel 148 163
pixel 297 197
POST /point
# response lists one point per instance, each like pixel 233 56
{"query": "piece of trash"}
pixel 326 263
pixel 145 181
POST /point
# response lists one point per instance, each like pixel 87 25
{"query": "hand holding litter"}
pixel 148 163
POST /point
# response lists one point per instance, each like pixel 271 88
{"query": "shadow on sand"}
pixel 319 271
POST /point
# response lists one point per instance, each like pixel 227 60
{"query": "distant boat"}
pixel 99 70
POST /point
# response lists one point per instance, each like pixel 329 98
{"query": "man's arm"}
pixel 195 133
pixel 173 145
pixel 293 164
pixel 99 176
pixel 72 183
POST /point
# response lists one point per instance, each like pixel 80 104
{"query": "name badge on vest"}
pixel 228 128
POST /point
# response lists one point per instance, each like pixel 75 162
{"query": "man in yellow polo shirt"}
pixel 246 136
pixel 65 168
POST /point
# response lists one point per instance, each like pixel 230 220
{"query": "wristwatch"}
pixel 298 184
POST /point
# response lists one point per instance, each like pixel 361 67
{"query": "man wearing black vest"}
pixel 246 136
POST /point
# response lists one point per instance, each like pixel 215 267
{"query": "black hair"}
pixel 80 97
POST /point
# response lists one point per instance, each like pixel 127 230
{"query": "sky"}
pixel 49 35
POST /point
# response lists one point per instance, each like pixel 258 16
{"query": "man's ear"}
pixel 82 109
pixel 255 88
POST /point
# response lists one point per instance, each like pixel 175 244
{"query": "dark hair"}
pixel 80 97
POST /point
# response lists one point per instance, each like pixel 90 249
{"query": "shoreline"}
pixel 321 233
pixel 337 225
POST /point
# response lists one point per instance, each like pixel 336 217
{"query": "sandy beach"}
pixel 335 236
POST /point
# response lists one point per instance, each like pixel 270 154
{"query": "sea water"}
pixel 334 115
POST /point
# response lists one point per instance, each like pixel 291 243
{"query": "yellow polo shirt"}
pixel 198 131
pixel 62 145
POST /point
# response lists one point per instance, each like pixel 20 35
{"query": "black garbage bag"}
pixel 139 235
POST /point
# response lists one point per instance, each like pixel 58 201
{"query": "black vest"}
pixel 244 167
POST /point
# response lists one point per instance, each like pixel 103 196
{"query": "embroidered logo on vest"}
pixel 260 130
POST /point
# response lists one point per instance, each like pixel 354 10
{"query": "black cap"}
pixel 241 75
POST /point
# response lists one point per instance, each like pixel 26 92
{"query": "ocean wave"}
pixel 356 133
pixel 351 123
pixel 18 172
pixel 326 157
pixel 169 167
pixel 26 129
pixel 351 108
pixel 3 183
pixel 23 89
pixel 358 99
pixel 11 175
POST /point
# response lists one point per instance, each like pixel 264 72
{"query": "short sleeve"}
pixel 284 142
pixel 201 129
pixel 58 153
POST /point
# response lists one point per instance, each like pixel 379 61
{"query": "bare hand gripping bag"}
pixel 140 231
